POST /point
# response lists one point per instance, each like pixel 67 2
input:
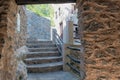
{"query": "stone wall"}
pixel 99 22
pixel 38 27
pixel 22 34
pixel 20 40
pixel 7 22
pixel 8 38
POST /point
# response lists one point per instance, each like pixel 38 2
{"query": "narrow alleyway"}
pixel 46 59
pixel 96 58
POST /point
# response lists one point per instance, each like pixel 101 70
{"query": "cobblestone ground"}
pixel 61 75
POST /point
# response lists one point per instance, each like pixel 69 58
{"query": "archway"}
pixel 101 35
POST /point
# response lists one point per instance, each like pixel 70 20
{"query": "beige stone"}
pixel 98 21
pixel 8 36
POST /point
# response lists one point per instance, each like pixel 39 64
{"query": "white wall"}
pixel 64 17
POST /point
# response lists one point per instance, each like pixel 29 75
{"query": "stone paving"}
pixel 60 75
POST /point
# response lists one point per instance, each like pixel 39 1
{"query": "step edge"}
pixel 36 65
pixel 43 58
pixel 44 48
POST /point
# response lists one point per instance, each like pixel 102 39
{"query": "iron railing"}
pixel 58 41
pixel 74 68
pixel 75 60
pixel 74 48
pixel 77 41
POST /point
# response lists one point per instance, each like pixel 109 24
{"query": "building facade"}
pixel 63 14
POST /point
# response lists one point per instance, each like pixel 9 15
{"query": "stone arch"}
pixel 99 20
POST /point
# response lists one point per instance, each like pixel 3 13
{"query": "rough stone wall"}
pixel 22 35
pixel 8 17
pixel 20 48
pixel 8 36
pixel 38 27
pixel 99 21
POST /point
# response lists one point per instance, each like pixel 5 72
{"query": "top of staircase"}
pixel 39 41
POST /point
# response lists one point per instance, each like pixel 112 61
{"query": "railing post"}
pixel 70 32
pixel 65 59
pixel 53 34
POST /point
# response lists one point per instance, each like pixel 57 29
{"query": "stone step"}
pixel 39 42
pixel 42 54
pixel 40 45
pixel 43 49
pixel 48 67
pixel 41 60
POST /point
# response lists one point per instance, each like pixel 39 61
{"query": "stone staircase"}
pixel 43 56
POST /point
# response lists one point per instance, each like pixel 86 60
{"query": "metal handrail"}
pixel 74 48
pixel 58 36
pixel 77 41
pixel 73 59
pixel 74 68
pixel 58 41
pixel 75 24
